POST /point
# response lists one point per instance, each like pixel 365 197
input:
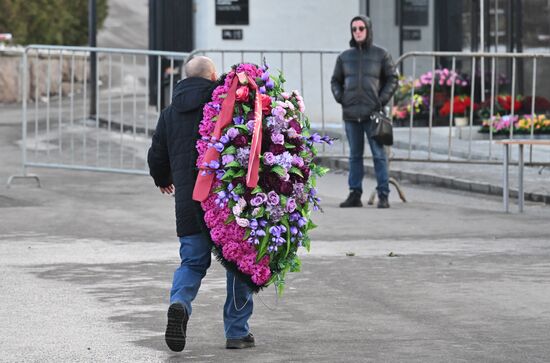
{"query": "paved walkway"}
pixel 86 263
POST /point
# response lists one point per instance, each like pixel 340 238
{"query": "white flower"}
pixel 243 222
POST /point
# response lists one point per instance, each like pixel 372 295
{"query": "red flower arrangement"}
pixel 506 103
pixel 461 104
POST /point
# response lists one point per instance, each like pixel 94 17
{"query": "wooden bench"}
pixel 506 185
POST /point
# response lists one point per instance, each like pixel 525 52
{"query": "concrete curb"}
pixel 438 180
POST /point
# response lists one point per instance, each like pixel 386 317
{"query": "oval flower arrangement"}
pixel 256 182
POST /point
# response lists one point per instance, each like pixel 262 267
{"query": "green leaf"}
pixel 277 169
pixel 261 212
pixel 280 287
pixel 296 171
pixel 240 173
pixel 230 174
pixel 239 189
pixel 263 245
pixel 230 219
pixel 233 164
pixel 246 108
pixel 257 190
pixel 230 150
pixel 311 225
pixel 321 170
pixel 289 146
pixel 285 223
pixel 296 264
pixel 241 127
pixel 306 243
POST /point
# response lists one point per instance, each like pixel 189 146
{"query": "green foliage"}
pixel 58 22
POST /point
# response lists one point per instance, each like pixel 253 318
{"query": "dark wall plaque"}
pixel 232 34
pixel 415 12
pixel 231 12
pixel 411 34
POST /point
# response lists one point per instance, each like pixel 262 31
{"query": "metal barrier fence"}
pixel 62 130
pixel 310 72
pixel 483 87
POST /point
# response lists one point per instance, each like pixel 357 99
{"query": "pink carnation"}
pixel 246 263
pixel 261 275
pixel 217 233
pixel 206 128
pixel 231 251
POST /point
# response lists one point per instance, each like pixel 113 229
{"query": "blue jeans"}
pixel 195 253
pixel 355 131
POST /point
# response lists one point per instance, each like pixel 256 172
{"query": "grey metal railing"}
pixel 467 155
pixel 58 130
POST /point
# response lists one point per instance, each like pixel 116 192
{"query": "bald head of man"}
pixel 201 66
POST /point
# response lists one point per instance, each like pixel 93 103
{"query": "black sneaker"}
pixel 241 343
pixel 383 202
pixel 354 200
pixel 176 327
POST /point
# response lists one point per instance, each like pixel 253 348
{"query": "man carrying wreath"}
pixel 171 160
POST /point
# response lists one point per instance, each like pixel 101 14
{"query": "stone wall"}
pixel 38 69
pixel 10 81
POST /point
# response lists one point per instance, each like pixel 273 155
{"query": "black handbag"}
pixel 382 130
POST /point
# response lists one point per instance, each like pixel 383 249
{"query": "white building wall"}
pixel 302 25
pixel 280 24
pixel 386 34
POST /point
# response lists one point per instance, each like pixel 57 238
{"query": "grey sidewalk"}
pixel 460 175
pixel 86 263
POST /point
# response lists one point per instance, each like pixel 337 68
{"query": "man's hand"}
pixel 167 190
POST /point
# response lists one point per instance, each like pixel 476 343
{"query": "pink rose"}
pixel 242 94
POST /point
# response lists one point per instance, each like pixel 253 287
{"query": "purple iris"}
pixel 238 120
pixel 302 222
pixel 265 76
pixel 295 217
pixel 224 139
pixel 219 147
pixel 293 230
pixel 263 90
pixel 269 84
pixel 214 164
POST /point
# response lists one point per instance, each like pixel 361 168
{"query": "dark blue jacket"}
pixel 173 155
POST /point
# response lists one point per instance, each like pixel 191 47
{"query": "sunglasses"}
pixel 359 28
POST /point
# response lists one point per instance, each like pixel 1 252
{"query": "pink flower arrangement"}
pixel 257 231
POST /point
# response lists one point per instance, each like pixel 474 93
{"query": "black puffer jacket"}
pixel 173 155
pixel 364 77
